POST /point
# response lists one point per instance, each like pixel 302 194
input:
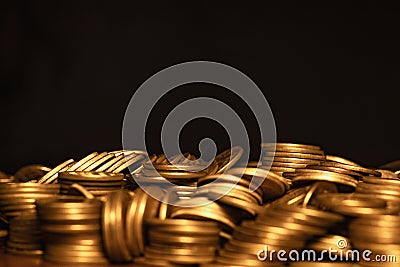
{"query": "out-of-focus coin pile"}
pixel 93 211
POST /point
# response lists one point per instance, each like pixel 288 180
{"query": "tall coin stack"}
pixel 72 229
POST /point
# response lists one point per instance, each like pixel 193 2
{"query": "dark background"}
pixel 68 70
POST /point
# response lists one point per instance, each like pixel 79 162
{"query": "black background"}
pixel 68 70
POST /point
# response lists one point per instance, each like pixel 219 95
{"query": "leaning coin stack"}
pixel 179 241
pixel 25 237
pixel 72 229
pixel 98 184
pixel 115 162
pixel 287 157
pixel 383 237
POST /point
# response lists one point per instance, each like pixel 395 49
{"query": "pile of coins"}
pixel 221 213
pixel 71 229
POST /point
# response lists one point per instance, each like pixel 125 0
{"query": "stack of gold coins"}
pixel 381 188
pixel 281 228
pixel 380 235
pixel 72 229
pixel 98 184
pixel 19 198
pixel 123 218
pixel 287 157
pixel 355 205
pixel 25 237
pixel 17 205
pixel 178 241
